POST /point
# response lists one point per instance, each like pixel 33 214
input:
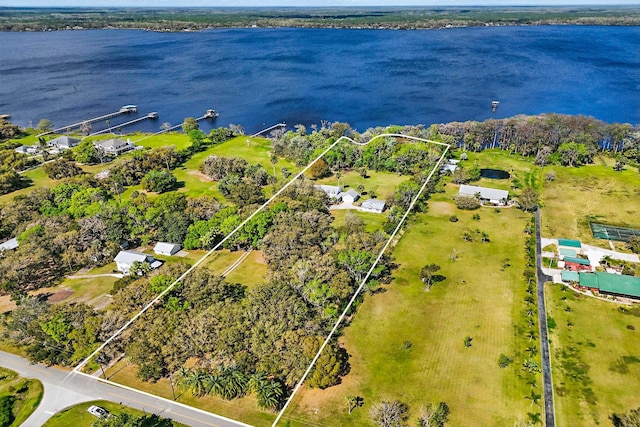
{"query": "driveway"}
pixel 63 389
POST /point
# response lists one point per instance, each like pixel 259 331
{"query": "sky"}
pixel 314 3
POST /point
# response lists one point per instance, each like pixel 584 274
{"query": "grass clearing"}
pixel 382 183
pixel 78 415
pixel 372 221
pixel 407 343
pixel 244 409
pixel 251 272
pixel 595 357
pixel 592 192
pixel 27 393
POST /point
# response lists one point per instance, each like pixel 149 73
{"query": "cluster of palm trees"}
pixel 231 383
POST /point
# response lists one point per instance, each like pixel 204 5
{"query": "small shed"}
pixel 350 196
pixel 168 249
pixel 373 205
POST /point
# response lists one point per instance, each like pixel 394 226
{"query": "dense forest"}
pixel 183 19
pixel 237 340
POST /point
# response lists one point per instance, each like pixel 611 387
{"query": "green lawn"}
pixel 251 272
pixel 37 179
pixel 407 343
pixel 382 183
pixel 27 393
pixel 589 192
pixel 372 221
pixel 244 409
pixel 78 416
pixel 595 357
pixel 177 139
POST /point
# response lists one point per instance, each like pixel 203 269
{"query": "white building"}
pixel 168 249
pixel 125 259
pixel 373 205
pixel 115 146
pixel 9 245
pixel 332 191
pixel 487 195
pixel 63 142
pixel 350 196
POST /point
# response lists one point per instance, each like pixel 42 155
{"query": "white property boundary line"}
pixel 355 295
pixel 76 370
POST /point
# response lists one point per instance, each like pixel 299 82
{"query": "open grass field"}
pixel 244 409
pixel 37 179
pixel 78 415
pixel 595 357
pixel 408 343
pixel 591 192
pixel 27 393
pixel 251 272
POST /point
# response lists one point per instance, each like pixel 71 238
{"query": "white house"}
pixel 125 259
pixel 373 205
pixel 332 191
pixel 168 249
pixel 115 146
pixel 63 142
pixel 487 195
pixel 350 196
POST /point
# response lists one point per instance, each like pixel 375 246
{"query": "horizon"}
pixel 231 4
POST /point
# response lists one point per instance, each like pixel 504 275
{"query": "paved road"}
pixel 547 383
pixel 62 389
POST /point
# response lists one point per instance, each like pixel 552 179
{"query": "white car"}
pixel 98 411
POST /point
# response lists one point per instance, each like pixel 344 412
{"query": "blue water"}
pixel 258 77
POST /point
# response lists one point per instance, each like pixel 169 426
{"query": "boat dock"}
pixel 125 109
pixel 150 116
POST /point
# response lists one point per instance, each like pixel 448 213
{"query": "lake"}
pixel 259 77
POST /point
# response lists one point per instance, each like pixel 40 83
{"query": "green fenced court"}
pixel 610 232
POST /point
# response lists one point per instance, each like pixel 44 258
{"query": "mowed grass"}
pixel 27 393
pixel 36 178
pixel 244 409
pixel 382 183
pixel 251 272
pixel 595 357
pixel 408 343
pixel 78 415
pixel 372 221
pixel 592 192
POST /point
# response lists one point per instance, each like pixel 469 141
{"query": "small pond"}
pixel 494 174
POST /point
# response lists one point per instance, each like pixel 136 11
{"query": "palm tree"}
pixel 274 162
pixel 534 397
pixel 193 380
pixel 532 350
pixel 268 392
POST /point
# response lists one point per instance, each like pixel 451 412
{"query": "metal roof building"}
pixel 491 194
pixel 164 248
pixel 9 244
pixel 569 243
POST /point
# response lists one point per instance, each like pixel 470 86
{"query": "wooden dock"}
pixel 126 109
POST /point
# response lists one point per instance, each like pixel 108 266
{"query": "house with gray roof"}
pixel 373 205
pixel 125 259
pixel 350 196
pixel 168 249
pixel 486 195
pixel 332 191
pixel 115 146
pixel 64 142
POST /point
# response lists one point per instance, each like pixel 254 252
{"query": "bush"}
pixel 319 169
pixel 159 181
pixel 467 203
pixel 6 410
pixel 453 218
pixel 504 361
